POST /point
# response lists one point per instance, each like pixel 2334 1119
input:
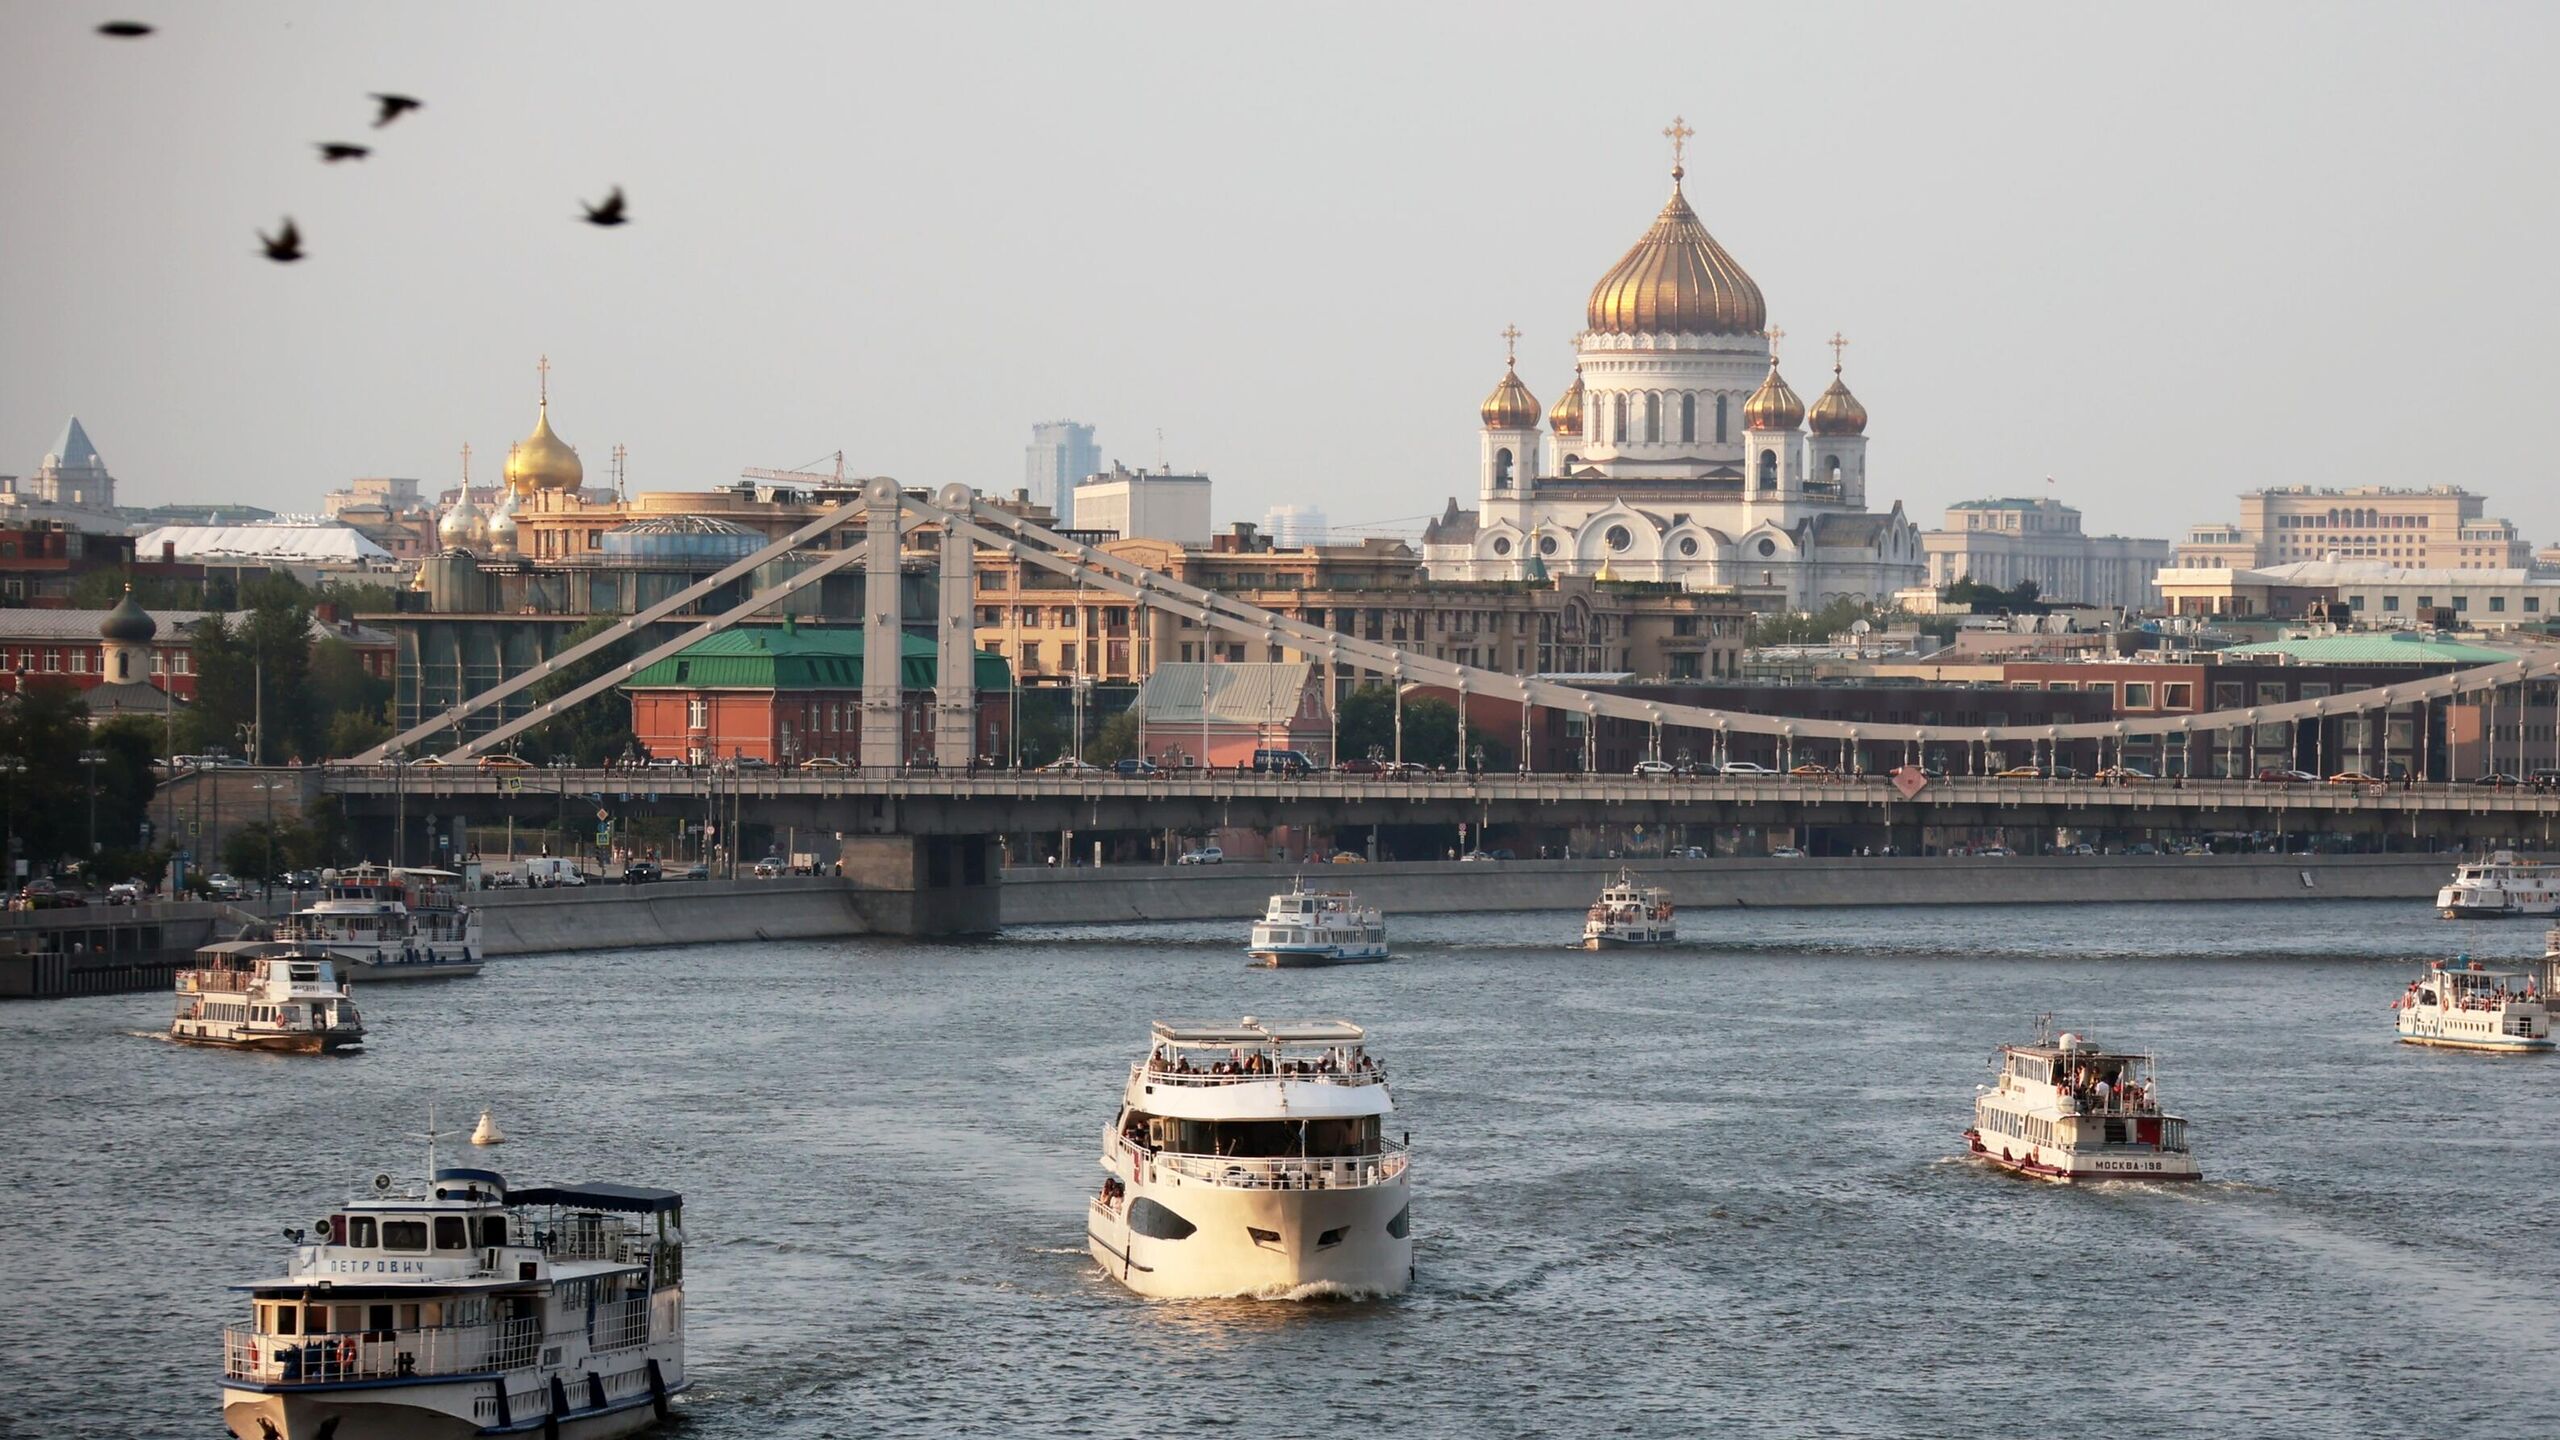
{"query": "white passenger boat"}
pixel 2466 1006
pixel 1629 913
pixel 461 1307
pixel 2069 1111
pixel 2501 886
pixel 1251 1158
pixel 257 995
pixel 1318 927
pixel 391 924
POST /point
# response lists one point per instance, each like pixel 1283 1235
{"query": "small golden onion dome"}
pixel 501 530
pixel 1773 406
pixel 460 528
pixel 1677 281
pixel 543 461
pixel 1566 418
pixel 1837 412
pixel 1604 574
pixel 1510 406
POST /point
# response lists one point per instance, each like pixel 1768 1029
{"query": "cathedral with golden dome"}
pixel 1679 452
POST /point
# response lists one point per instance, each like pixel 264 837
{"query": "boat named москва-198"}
pixel 1250 1158
pixel 2069 1111
pixel 259 995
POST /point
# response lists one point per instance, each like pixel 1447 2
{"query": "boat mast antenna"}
pixel 2044 1027
pixel 431 1137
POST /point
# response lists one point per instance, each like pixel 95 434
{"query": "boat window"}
pixel 1402 1225
pixel 451 1233
pixel 360 1231
pixel 493 1230
pixel 1156 1222
pixel 404 1235
pixel 305 974
pixel 283 1319
pixel 377 1318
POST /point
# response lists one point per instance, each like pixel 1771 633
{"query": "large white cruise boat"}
pixel 390 924
pixel 2466 1006
pixel 1629 913
pixel 1318 927
pixel 462 1308
pixel 2068 1110
pixel 257 995
pixel 2499 887
pixel 1250 1158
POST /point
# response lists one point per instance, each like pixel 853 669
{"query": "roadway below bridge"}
pixel 925 803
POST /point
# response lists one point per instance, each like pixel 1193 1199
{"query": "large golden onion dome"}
pixel 543 461
pixel 1566 418
pixel 1510 406
pixel 1677 281
pixel 1773 406
pixel 1837 412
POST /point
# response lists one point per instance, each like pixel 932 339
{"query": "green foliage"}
pixel 259 851
pixel 114 865
pixel 1045 727
pixel 359 598
pixel 101 589
pixel 1117 740
pixel 48 808
pixel 2022 599
pixel 598 730
pixel 1811 627
pixel 1368 717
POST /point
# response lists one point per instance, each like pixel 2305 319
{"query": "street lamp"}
pixel 270 787
pixel 11 767
pixel 90 760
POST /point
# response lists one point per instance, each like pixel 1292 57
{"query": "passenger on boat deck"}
pixel 2106 1095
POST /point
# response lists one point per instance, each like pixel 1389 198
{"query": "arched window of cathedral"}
pixel 1652 418
pixel 1546 544
pixel 1720 419
pixel 1618 419
pixel 1688 417
pixel 1501 545
pixel 1835 470
pixel 1501 469
pixel 1768 469
pixel 1689 545
pixel 1618 537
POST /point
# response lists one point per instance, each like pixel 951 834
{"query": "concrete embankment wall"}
pixel 626 917
pixel 1065 897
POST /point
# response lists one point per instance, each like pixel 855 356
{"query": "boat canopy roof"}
pixel 629 1199
pixel 424 874
pixel 1226 1034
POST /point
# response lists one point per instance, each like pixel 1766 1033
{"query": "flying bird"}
pixel 124 29
pixel 393 107
pixel 332 151
pixel 285 248
pixel 608 213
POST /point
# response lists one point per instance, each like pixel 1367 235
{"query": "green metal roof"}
pixel 2398 647
pixel 796 657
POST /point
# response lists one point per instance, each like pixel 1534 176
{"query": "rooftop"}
pixel 2398 647
pixel 1253 1031
pixel 800 657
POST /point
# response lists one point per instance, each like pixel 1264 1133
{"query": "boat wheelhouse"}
pixel 390 924
pixel 1629 912
pixel 1301 927
pixel 461 1307
pixel 258 995
pixel 1250 1158
pixel 2500 887
pixel 2466 1006
pixel 2068 1110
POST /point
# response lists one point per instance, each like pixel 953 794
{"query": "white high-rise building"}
pixel 1679 453
pixel 1294 527
pixel 1061 455
pixel 1145 505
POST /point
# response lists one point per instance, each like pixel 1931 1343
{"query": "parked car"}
pixel 1746 770
pixel 1137 767
pixel 640 872
pixel 2354 777
pixel 1069 765
pixel 1349 857
pixel 1283 762
pixel 1785 852
pixel 1205 855
pixel 1653 769
pixel 124 892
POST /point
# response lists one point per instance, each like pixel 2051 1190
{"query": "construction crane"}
pixel 814 478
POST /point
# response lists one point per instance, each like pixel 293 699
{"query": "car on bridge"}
pixel 2280 775
pixel 2354 777
pixel 1349 857
pixel 502 760
pixel 2497 780
pixel 1814 770
pixel 1654 769
pixel 1138 766
pixel 2126 775
pixel 1205 855
pixel 825 762
pixel 1070 765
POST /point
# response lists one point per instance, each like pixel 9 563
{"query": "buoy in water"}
pixel 487 1131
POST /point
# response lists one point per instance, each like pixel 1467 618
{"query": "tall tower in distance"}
pixel 1061 453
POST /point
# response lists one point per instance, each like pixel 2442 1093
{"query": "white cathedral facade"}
pixel 1679 453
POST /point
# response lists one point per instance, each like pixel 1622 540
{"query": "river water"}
pixel 1657 1193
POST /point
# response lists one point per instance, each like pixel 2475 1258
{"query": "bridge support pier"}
pixel 924 884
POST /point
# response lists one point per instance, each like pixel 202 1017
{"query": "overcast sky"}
pixel 2162 253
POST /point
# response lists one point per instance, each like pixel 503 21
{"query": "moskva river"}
pixel 1713 1189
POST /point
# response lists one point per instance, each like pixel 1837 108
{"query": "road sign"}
pixel 603 814
pixel 515 782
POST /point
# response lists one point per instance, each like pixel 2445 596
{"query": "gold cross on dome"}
pixel 1511 343
pixel 543 368
pixel 466 466
pixel 1773 335
pixel 1678 133
pixel 1839 342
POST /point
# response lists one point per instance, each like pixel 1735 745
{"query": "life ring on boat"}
pixel 347 1352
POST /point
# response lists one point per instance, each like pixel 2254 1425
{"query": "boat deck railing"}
pixel 1235 1172
pixel 1373 1075
pixel 382 1354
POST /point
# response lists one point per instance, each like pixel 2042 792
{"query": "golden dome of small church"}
pixel 542 460
pixel 1679 452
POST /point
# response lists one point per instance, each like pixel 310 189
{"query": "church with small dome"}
pixel 1679 452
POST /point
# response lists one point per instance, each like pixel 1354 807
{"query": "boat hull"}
pixel 1221 1258
pixel 1288 958
pixel 308 1042
pixel 2066 1167
pixel 370 972
pixel 1627 941
pixel 418 1412
pixel 2489 1045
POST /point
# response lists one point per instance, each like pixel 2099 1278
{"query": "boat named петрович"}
pixel 463 1308
pixel 259 995
pixel 1250 1158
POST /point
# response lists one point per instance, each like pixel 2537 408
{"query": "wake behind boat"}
pixel 2500 887
pixel 260 995
pixel 2466 1006
pixel 1302 927
pixel 1250 1158
pixel 2070 1111
pixel 463 1307
pixel 1629 912
pixel 390 924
